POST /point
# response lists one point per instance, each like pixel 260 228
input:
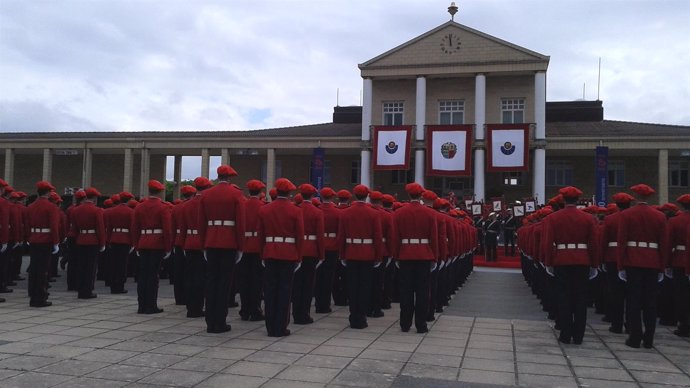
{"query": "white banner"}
pixel 448 150
pixel 508 148
pixel 391 148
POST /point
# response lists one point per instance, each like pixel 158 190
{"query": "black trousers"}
pixel 119 254
pixel 571 283
pixel 390 284
pixel 87 261
pixel 16 260
pixel 147 279
pixel 38 272
pixel 509 241
pixel 219 269
pixel 615 293
pixel 303 290
pixel 665 303
pixel 340 285
pixel 195 273
pixel 681 287
pixel 102 266
pixel 72 270
pixel 414 293
pixel 249 282
pixel 278 277
pixel 178 276
pixel 377 281
pixel 491 242
pixel 641 297
pixel 5 259
pixel 433 289
pixel 323 286
pixel 359 274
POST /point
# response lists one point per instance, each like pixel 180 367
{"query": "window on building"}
pixel 326 171
pixel 515 178
pixel 451 112
pixel 401 177
pixel 559 174
pixel 616 173
pixel 355 172
pixel 513 110
pixel 393 113
pixel 678 174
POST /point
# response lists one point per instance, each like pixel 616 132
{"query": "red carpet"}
pixel 503 261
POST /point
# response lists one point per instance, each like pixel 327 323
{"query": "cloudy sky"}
pixel 135 65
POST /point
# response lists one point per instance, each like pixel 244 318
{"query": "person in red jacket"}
pixel 16 248
pixel 428 198
pixel 313 252
pixel 281 233
pixel 221 213
pixel 323 286
pixel 679 227
pixel 42 228
pixel 361 245
pixel 249 269
pixel 5 230
pixel 64 224
pixel 569 248
pixel 118 220
pixel 177 268
pixel 415 248
pixel 152 238
pixel 390 284
pixel 88 228
pixel 340 278
pixel 378 275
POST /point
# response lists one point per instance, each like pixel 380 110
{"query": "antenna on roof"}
pixel 452 10
pixel 337 96
pixel 599 80
pixel 584 85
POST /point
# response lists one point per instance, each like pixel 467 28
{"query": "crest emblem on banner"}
pixel 449 150
pixel 508 148
pixel 391 147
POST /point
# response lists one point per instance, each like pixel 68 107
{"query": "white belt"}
pixel 613 244
pixel 680 247
pixel 221 223
pixel 359 241
pixel 415 241
pixel 178 231
pixel 331 235
pixel 571 246
pixel 310 237
pixel 383 239
pixel 642 244
pixel 289 240
pixel 40 230
pixel 152 231
pixel 251 234
pixel 123 230
pixel 192 231
pixel 87 231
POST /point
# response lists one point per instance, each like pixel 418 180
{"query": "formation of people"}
pixel 629 260
pixel 362 249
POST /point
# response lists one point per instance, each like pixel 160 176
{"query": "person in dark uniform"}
pixel 642 257
pixel 480 225
pixel 323 286
pixel 340 280
pixel 118 220
pixel 178 275
pixel 509 224
pixel 281 232
pixel 492 229
pixel 249 268
pixel 70 259
pixel 88 228
pixel 679 227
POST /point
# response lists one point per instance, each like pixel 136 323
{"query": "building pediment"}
pixel 453 48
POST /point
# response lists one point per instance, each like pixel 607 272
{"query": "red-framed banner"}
pixel 449 150
pixel 392 147
pixel 508 147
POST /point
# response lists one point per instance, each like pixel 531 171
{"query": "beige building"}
pixel 449 75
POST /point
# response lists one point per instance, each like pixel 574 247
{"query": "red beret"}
pixel 16 195
pixel 387 198
pixel 570 192
pixel 42 185
pixel 397 205
pixel 297 199
pixel 307 189
pixel 315 201
pixel 3 183
pixel 684 199
pixel 177 201
pixel 622 198
pixel 414 189
pixel 429 195
pixel 81 194
pixel 108 202
pixel 273 193
pixel 132 203
pixel 344 194
pixel 187 190
pixel 92 192
pixel 642 190
pixel 226 170
pixel 360 191
pixel 202 182
pixel 440 203
pixel 10 189
pixel 669 207
pixel 255 185
pixel 284 184
pixel 558 199
pixel 154 185
pixel 54 196
pixel 327 192
pixel 376 196
pixel 611 208
pixel 126 196
pixel 115 198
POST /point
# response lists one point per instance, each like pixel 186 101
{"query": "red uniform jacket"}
pixel 43 222
pixel 152 225
pixel 4 220
pixel 569 238
pixel 687 254
pixel 451 236
pixel 313 231
pixel 642 224
pixel 416 230
pixel 609 238
pixel 251 234
pixel 69 219
pixel 678 230
pixel 387 230
pixel 360 236
pixel 88 225
pixel 178 230
pixel 281 230
pixel 331 218
pixel 442 237
pixel 118 221
pixel 17 222
pixel 191 223
pixel 222 217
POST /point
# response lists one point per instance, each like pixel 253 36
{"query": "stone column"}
pixel 270 167
pixel 145 172
pixel 87 168
pixel 365 173
pixel 205 161
pixel 177 176
pixel 224 156
pixel 420 121
pixel 663 176
pixel 127 176
pixel 365 161
pixel 479 120
pixel 47 164
pixel 9 165
pixel 539 169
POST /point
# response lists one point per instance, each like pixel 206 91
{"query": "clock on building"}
pixel 450 43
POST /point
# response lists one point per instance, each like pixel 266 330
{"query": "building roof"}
pixel 613 128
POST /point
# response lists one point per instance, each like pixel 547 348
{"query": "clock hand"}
pixel 450 40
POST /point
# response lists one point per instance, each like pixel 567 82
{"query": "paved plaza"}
pixel 493 334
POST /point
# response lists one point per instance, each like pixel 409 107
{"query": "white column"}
pixel 539 169
pixel 270 167
pixel 177 176
pixel 205 161
pixel 87 168
pixel 144 172
pixel 366 108
pixel 224 156
pixel 47 164
pixel 663 176
pixel 127 176
pixel 365 169
pixel 479 120
pixel 420 115
pixel 539 175
pixel 9 165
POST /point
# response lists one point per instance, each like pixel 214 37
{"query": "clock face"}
pixel 450 43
